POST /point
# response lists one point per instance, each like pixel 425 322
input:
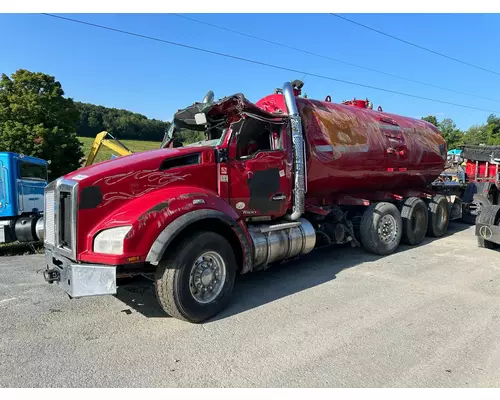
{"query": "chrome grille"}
pixel 50 233
pixel 61 217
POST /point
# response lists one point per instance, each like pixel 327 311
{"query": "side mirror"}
pixel 200 118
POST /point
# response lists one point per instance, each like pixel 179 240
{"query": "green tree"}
pixel 475 135
pixel 453 136
pixel 37 120
pixel 493 129
pixel 432 119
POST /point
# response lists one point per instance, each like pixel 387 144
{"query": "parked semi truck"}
pixel 22 183
pixel 272 181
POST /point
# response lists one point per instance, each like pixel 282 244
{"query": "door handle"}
pixel 278 197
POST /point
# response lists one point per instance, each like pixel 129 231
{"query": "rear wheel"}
pixel 196 280
pixel 381 228
pixel 415 220
pixel 439 217
pixel 490 215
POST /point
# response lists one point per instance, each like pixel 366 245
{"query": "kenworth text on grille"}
pixel 272 181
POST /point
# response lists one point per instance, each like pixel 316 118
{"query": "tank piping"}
pixel 298 154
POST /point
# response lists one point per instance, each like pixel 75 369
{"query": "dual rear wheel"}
pixel 384 226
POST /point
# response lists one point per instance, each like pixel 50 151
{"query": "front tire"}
pixel 195 281
pixel 381 228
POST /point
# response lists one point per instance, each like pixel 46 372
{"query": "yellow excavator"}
pixel 114 144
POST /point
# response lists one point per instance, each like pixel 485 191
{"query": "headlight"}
pixel 110 241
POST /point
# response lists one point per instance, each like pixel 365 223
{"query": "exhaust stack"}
pixel 298 154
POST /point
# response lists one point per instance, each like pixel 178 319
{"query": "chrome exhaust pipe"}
pixel 39 229
pixel 298 154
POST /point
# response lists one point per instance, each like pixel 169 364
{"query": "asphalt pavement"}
pixel 426 316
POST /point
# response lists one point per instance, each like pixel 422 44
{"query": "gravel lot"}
pixel 427 316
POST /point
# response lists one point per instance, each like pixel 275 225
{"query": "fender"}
pixel 178 225
pixel 149 216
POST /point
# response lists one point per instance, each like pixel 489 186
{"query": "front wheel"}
pixel 196 281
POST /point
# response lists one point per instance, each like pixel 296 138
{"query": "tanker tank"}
pixel 351 148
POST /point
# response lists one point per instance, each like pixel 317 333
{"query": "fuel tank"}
pixel 351 148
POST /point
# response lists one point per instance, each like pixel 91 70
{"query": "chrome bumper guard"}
pixel 80 280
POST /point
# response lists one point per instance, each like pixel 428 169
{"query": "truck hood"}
pixel 138 180
pixel 150 160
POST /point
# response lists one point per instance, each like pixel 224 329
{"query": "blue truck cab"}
pixel 22 183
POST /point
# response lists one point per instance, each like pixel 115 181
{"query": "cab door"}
pixel 259 169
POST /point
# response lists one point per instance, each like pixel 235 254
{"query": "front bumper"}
pixel 79 280
pixel 491 233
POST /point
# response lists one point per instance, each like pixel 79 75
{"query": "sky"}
pixel 157 79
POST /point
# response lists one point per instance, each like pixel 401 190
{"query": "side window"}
pixel 255 136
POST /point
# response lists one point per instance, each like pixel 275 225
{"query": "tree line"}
pixel 123 124
pixel 484 134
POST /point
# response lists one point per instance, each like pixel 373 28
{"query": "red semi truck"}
pixel 272 181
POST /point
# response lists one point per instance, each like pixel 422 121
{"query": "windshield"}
pixel 32 171
pixel 184 137
pixel 168 134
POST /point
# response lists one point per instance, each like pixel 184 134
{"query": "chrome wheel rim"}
pixel 387 229
pixel 207 277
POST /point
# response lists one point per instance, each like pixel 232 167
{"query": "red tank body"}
pixel 351 149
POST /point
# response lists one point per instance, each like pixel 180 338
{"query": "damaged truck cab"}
pixel 272 181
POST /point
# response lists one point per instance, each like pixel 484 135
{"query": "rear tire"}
pixel 415 221
pixel 381 228
pixel 439 217
pixel 489 215
pixel 195 281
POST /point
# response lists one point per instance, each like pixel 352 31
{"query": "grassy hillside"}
pixel 104 153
